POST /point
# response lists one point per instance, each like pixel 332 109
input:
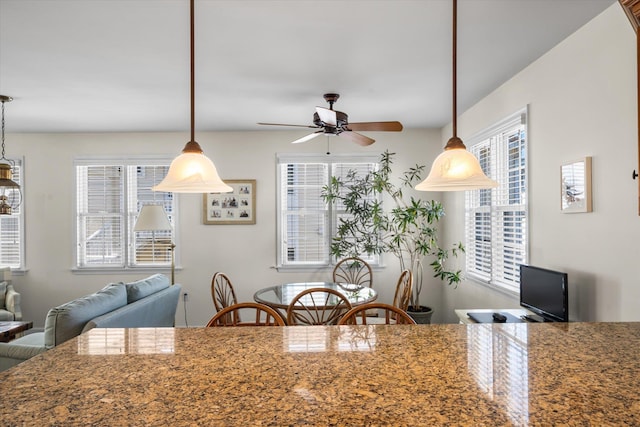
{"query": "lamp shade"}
pixel 456 169
pixel 152 218
pixel 192 172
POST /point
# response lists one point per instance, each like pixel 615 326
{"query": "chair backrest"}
pixel 222 291
pixel 402 297
pixel 317 306
pixel 263 315
pixel 353 270
pixel 392 315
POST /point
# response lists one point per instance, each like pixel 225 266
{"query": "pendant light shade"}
pixel 192 171
pixel 456 169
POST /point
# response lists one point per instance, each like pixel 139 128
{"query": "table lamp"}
pixel 153 218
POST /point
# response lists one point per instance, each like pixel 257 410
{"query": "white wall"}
pixel 582 102
pixel 245 252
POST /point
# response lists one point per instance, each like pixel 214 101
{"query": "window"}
pixel 496 219
pixel 109 195
pixel 12 227
pixel 306 223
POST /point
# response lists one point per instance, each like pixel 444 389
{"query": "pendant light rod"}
pixel 193 73
pixel 454 63
pixel 3 99
pixel 192 146
pixel 454 141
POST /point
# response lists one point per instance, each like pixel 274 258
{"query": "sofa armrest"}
pixel 12 302
pixel 20 351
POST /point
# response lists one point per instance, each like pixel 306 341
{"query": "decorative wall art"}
pixel 576 186
pixel 236 207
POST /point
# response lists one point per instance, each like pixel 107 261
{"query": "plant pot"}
pixel 422 316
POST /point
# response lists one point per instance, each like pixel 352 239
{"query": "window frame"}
pixel 128 217
pixel 330 221
pixel 499 170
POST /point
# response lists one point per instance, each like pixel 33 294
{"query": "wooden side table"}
pixel 8 330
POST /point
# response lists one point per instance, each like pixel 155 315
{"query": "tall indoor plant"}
pixel 407 230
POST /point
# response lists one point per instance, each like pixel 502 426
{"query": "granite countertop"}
pixel 375 375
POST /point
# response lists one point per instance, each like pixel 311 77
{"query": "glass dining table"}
pixel 280 296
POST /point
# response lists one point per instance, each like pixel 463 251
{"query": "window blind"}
pixel 304 213
pixel 109 196
pixel 100 215
pixel 496 219
pixel 306 223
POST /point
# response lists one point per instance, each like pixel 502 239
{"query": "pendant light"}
pixel 10 194
pixel 456 169
pixel 192 171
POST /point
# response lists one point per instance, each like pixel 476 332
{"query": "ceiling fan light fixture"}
pixel 336 123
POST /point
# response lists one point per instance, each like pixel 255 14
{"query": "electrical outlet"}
pixel 185 297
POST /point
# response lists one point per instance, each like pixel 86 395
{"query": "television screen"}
pixel 545 292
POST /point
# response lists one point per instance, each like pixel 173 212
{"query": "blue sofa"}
pixel 149 302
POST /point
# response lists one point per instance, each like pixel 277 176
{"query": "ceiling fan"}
pixel 332 122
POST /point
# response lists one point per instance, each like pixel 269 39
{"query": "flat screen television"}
pixel 545 292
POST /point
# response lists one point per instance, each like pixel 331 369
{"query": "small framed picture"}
pixel 575 186
pixel 237 207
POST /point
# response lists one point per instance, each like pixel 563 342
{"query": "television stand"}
pixel 517 312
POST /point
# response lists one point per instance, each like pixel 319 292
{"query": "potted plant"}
pixel 407 230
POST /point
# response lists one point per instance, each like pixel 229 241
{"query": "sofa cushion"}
pixel 145 287
pixel 155 311
pixel 3 293
pixel 67 320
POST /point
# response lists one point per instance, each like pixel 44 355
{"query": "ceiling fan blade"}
pixel 308 137
pixel 376 126
pixel 357 138
pixel 281 124
pixel 327 116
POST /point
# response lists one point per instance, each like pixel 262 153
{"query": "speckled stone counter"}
pixel 474 375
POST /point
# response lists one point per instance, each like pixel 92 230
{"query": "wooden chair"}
pixel 263 316
pixel 404 287
pixel 222 291
pixel 353 270
pixel 401 298
pixel 392 315
pixel 317 306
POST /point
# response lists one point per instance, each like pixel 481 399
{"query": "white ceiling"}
pixel 123 65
